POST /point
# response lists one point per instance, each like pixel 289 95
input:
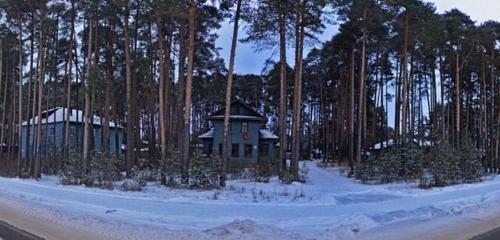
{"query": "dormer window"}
pixel 244 127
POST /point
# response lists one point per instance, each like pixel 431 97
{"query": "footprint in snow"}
pixel 111 211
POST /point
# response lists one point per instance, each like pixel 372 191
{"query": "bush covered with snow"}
pixel 103 170
pixel 205 171
pixel 399 163
pixel 72 170
pixel 449 165
pixel 472 165
pixel 131 185
pixel 264 171
pixel 170 166
pixel 287 177
pixel 442 164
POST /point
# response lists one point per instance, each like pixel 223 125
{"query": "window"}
pixel 208 149
pixel 244 127
pixel 264 150
pixel 248 150
pixel 52 131
pixel 73 131
pixel 235 150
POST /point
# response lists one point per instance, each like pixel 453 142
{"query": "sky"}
pixel 250 61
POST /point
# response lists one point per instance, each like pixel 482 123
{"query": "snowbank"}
pixel 328 206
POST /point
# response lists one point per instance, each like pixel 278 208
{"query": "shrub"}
pixel 72 171
pixel 131 185
pixel 451 166
pixel 264 171
pixel 140 176
pixel 169 166
pixel 103 170
pixel 205 171
pixel 444 164
pixel 471 163
pixel 287 177
pixel 398 163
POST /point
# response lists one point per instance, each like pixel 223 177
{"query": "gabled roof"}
pixel 390 142
pixel 266 134
pixel 255 116
pixel 263 134
pixel 55 115
pixel 209 134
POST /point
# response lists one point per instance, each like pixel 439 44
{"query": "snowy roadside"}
pixel 329 206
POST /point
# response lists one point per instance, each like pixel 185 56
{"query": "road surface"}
pixel 8 232
pixel 12 213
pixel 491 235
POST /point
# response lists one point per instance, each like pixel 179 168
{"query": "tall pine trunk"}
pixel 404 75
pixel 107 97
pixel 457 99
pixel 187 102
pixel 130 149
pixel 297 96
pixel 68 83
pixel 283 91
pixel 361 98
pixel 4 103
pixel 41 79
pixel 20 97
pixel 227 110
pixel 161 88
pixel 88 116
pixel 181 79
pixel 30 89
pixel 352 112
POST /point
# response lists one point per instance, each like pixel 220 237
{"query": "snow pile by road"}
pixel 328 206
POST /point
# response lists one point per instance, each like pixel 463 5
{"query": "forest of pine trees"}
pixel 154 68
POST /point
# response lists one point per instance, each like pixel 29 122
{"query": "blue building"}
pixel 249 141
pixel 53 122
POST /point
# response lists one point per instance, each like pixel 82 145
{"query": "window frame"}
pixel 248 154
pixel 236 153
pixel 244 127
pixel 263 146
pixel 52 130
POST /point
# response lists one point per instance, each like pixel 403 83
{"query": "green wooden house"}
pixel 53 121
pixel 249 141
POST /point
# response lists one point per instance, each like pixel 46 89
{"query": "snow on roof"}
pixel 383 144
pixel 75 116
pixel 240 102
pixel 244 117
pixel 209 134
pixel 266 134
pixel 390 142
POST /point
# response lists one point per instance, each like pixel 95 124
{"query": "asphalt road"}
pixel 491 235
pixel 8 232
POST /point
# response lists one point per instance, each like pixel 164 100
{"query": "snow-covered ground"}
pixel 328 206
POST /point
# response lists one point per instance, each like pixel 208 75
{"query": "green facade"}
pixel 247 143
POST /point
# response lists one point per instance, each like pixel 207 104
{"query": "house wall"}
pixel 236 109
pixel 236 137
pixel 272 151
pixel 55 134
pixel 208 147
